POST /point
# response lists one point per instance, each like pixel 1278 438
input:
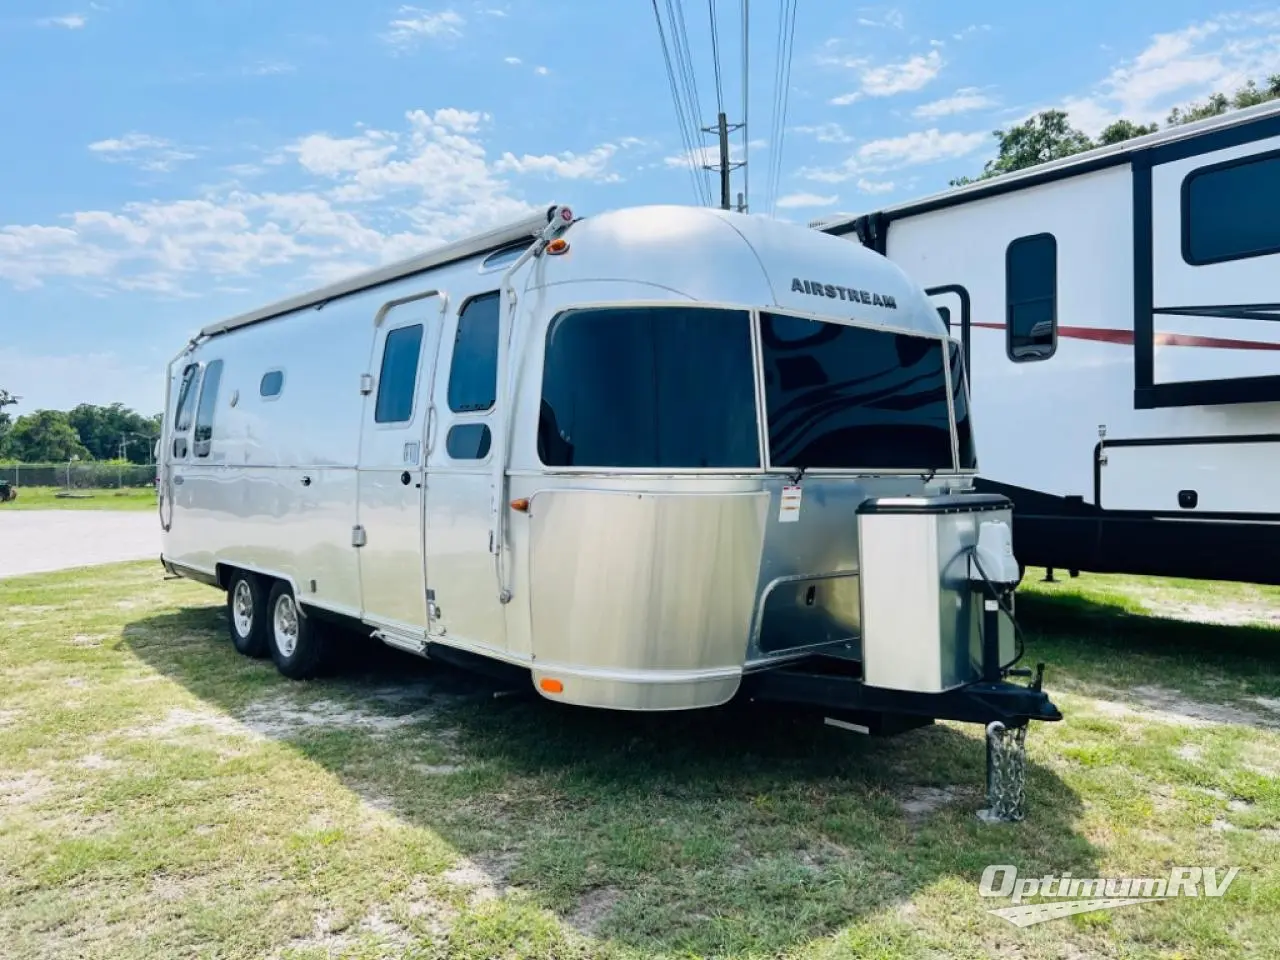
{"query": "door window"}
pixel 398 379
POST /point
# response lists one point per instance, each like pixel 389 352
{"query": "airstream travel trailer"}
pixel 652 460
pixel 1118 312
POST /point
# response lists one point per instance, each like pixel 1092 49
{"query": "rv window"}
pixel 1231 210
pixel 272 383
pixel 1031 297
pixel 473 373
pixel 649 387
pixel 398 379
pixel 203 437
pixel 945 314
pixel 468 441
pixel 846 397
pixel 502 257
pixel 960 400
pixel 186 398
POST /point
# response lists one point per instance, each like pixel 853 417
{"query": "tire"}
pixel 299 645
pixel 247 620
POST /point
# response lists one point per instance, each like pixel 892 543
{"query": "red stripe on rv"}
pixel 1161 339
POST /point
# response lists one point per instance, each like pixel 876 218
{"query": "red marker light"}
pixel 566 214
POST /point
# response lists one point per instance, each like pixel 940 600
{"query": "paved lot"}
pixel 35 541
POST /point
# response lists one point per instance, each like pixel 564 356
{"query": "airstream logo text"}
pixel 833 291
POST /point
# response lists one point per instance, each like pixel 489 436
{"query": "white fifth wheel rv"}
pixel 1120 315
pixel 650 460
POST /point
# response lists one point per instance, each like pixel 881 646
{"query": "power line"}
pixel 680 116
pixel 684 64
pixel 715 54
pixel 782 90
pixel 746 141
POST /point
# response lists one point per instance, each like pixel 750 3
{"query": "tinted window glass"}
pixel 850 397
pixel 666 387
pixel 509 255
pixel 272 383
pixel 203 436
pixel 473 373
pixel 1031 295
pixel 945 314
pixel 399 377
pixel 1230 212
pixel 468 441
pixel 187 397
pixel 960 400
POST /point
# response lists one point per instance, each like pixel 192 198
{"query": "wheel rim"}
pixel 242 608
pixel 285 622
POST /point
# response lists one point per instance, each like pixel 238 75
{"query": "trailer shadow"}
pixel 732 829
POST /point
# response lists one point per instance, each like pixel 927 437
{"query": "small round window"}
pixel 272 384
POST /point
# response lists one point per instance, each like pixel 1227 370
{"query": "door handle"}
pixel 405 478
pixel 306 481
pixel 431 428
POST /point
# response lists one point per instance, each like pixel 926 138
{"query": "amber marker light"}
pixel 557 246
pixel 551 685
pixel 521 505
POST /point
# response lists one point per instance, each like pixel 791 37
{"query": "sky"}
pixel 169 164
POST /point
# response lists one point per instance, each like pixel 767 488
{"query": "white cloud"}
pixel 875 186
pixel 153 154
pixel 797 200
pixel 892 18
pixel 826 133
pixel 1219 54
pixel 69 21
pixel 542 71
pixel 963 100
pixel 708 155
pixel 413 24
pixel 593 165
pixel 889 79
pixel 514 61
pixel 268 68
pixel 890 153
pixel 376 195
pixel 971 30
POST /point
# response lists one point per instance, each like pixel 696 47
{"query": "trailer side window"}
pixel 468 441
pixel 186 398
pixel 271 384
pixel 473 371
pixel 203 437
pixel 1231 210
pixel 398 379
pixel 945 314
pixel 649 388
pixel 1031 297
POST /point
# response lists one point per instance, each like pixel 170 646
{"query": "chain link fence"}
pixel 79 476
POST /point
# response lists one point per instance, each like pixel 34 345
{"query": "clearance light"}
pixel 566 215
pixel 551 685
pixel 521 505
pixel 557 246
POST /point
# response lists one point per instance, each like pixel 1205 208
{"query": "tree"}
pixel 105 430
pixel 1049 136
pixel 7 399
pixel 1123 130
pixel 1046 136
pixel 45 436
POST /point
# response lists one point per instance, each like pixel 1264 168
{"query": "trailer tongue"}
pixel 938 637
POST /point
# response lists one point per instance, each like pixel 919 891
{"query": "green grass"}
pixel 162 797
pixel 47 498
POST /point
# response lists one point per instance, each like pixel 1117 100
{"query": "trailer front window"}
pixel 649 387
pixel 842 397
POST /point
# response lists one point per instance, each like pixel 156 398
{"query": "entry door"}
pixel 392 481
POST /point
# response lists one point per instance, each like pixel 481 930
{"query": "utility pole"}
pixel 723 128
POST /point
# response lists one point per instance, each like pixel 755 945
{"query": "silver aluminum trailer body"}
pixel 630 457
pixel 1118 310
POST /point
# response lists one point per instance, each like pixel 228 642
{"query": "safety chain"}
pixel 1006 773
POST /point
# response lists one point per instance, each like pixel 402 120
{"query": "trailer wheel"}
pixel 298 643
pixel 247 614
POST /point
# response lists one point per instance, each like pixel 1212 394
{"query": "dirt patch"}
pixel 923 801
pixel 280 718
pixel 96 761
pixel 1230 613
pixel 424 908
pixel 1163 705
pixel 88 640
pixel 180 720
pixel 24 790
pixel 593 909
pixel 483 877
pixel 8 717
pixel 438 769
pixel 1189 752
